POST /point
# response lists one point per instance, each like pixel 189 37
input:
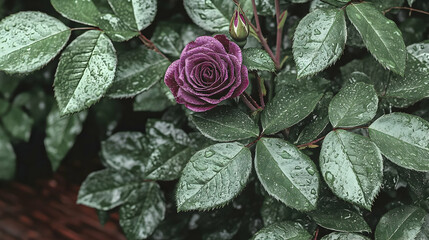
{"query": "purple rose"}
pixel 209 70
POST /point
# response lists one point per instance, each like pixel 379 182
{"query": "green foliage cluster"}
pixel 340 150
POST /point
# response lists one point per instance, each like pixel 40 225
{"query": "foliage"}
pixel 329 141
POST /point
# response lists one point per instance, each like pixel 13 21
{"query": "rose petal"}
pixel 170 78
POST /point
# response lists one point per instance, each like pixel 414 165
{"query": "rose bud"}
pixel 238 27
pixel 209 71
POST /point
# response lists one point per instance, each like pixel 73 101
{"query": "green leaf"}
pixel 137 71
pixel 142 212
pixel 81 11
pixel 287 174
pixel 273 211
pixel 152 100
pixel 319 40
pixel 7 158
pixel 172 36
pixel 225 123
pixel 344 236
pixel 257 59
pixel 159 155
pixel 318 121
pixel 410 2
pixel 352 166
pixel 107 189
pixel 211 15
pixel 4 106
pixel 29 40
pixel 18 124
pixel 85 72
pixel 354 105
pixel 214 176
pixel 404 222
pixel 282 231
pixel 340 219
pixel 287 108
pixel 61 134
pixel 137 14
pixel 403 139
pixel 380 35
pixel 404 91
pixel 420 51
pixel 115 28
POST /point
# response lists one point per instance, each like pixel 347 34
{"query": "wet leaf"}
pixel 319 40
pixel 403 139
pixel 143 211
pixel 211 15
pixel 319 119
pixel 213 177
pixel 106 189
pixel 85 72
pixel 61 134
pixel 288 107
pixel 380 35
pixel 282 231
pixel 340 219
pixel 225 123
pixel 344 236
pixel 420 51
pixel 137 71
pixel 352 166
pixel 7 157
pixel 152 100
pixel 287 174
pixel 30 40
pixel 273 211
pixel 159 155
pixel 137 14
pixel 81 11
pixel 354 105
pixel 404 222
pixel 18 124
pixel 115 28
pixel 414 86
pixel 257 59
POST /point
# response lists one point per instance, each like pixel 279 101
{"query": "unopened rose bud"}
pixel 239 28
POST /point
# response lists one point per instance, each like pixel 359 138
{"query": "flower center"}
pixel 208 74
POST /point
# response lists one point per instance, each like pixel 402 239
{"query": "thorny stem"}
pixel 320 139
pixel 255 141
pixel 406 8
pixel 85 28
pixel 252 101
pixel 148 43
pixel 248 104
pixel 258 31
pixel 316 234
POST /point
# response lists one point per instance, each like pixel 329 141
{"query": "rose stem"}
pixel 150 45
pixel 85 28
pixel 261 95
pixel 320 139
pixel 261 37
pixel 248 104
pixel 405 8
pixel 279 35
pixel 252 100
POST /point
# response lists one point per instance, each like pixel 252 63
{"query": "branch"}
pixel 248 104
pixel 406 8
pixel 148 43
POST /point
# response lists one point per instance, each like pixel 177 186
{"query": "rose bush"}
pixel 210 70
